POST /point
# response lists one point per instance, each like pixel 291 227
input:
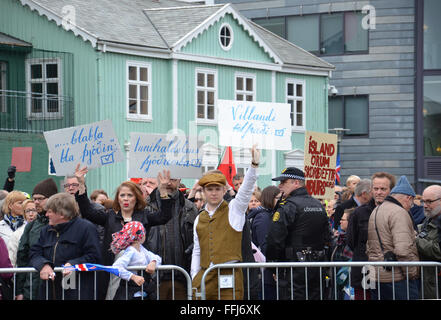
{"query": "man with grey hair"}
pixel 66 240
pixel 428 240
pixel 71 185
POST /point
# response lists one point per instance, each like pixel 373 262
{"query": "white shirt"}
pixel 133 257
pixel 236 215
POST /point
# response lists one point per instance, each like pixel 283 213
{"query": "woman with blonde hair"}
pixel 12 214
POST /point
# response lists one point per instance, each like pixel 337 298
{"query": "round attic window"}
pixel 225 36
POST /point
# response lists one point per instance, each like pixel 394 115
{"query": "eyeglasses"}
pixel 30 210
pixel 39 199
pixel 68 185
pixel 428 202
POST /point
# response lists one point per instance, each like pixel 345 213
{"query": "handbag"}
pixel 389 255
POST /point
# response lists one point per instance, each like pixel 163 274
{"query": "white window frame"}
pixel 244 92
pixel 204 120
pixel 44 114
pixel 295 98
pixel 137 116
pixel 226 48
pixel 3 85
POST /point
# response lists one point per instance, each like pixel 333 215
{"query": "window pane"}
pixel 133 106
pixel 210 80
pixel 299 120
pixel 299 90
pixel 52 70
pixel 249 84
pixel 303 31
pixel 36 71
pixel 356 38
pixel 133 73
pixel 201 97
pixel 292 112
pixel 37 101
pixel 144 107
pixel 143 92
pixel 356 115
pixel 210 98
pixel 52 105
pixel 239 97
pixel 331 33
pixel 133 91
pixel 52 88
pixel 143 74
pixel 249 97
pixel 210 112
pixel 239 83
pixel 335 114
pixel 275 25
pixel 432 34
pixel 432 115
pixel 201 79
pixel 290 89
pixel 201 111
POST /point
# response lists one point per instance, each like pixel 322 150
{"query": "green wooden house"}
pixel 149 66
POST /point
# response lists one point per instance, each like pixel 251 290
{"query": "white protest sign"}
pixel 244 123
pixel 92 145
pixel 320 161
pixel 152 153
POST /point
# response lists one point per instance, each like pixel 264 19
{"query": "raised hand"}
pixel 163 181
pixel 80 174
pixel 255 156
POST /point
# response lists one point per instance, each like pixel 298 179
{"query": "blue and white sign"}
pixel 93 145
pixel 245 123
pixel 152 153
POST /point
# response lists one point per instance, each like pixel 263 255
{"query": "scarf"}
pixel 14 222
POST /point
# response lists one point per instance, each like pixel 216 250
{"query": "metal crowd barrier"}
pixel 34 273
pixel 323 268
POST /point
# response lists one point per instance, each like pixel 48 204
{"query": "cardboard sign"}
pixel 320 160
pixel 21 158
pixel 93 145
pixel 152 153
pixel 244 123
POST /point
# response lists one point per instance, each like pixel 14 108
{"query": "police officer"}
pixel 299 232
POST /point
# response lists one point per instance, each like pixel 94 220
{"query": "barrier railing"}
pixel 58 270
pixel 283 272
pixel 326 269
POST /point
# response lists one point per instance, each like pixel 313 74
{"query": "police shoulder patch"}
pixel 276 216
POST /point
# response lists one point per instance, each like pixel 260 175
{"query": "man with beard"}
pixel 428 240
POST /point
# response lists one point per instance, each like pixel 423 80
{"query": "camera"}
pixel 332 91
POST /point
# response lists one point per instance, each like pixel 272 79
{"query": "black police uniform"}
pixel 300 232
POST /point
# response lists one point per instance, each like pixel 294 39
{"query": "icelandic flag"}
pixel 92 267
pixel 337 170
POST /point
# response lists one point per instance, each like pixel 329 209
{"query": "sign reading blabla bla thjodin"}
pixel 319 164
pixel 245 123
pixel 153 153
pixel 93 145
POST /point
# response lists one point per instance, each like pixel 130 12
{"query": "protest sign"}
pixel 152 153
pixel 92 145
pixel 319 164
pixel 244 123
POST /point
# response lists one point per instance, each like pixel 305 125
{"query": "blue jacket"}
pixel 74 242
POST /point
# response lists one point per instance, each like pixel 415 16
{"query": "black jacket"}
pixel 173 241
pixel 299 222
pixel 356 235
pixel 74 242
pixel 113 221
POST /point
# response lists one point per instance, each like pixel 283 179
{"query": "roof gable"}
pixel 195 21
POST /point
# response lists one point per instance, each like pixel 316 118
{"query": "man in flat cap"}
pixel 391 237
pixel 218 233
pixel 299 232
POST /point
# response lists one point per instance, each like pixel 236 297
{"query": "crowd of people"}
pixel 158 221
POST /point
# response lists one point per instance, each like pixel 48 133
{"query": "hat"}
pixel 403 187
pixel 131 232
pixel 213 178
pixel 290 173
pixel 46 187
